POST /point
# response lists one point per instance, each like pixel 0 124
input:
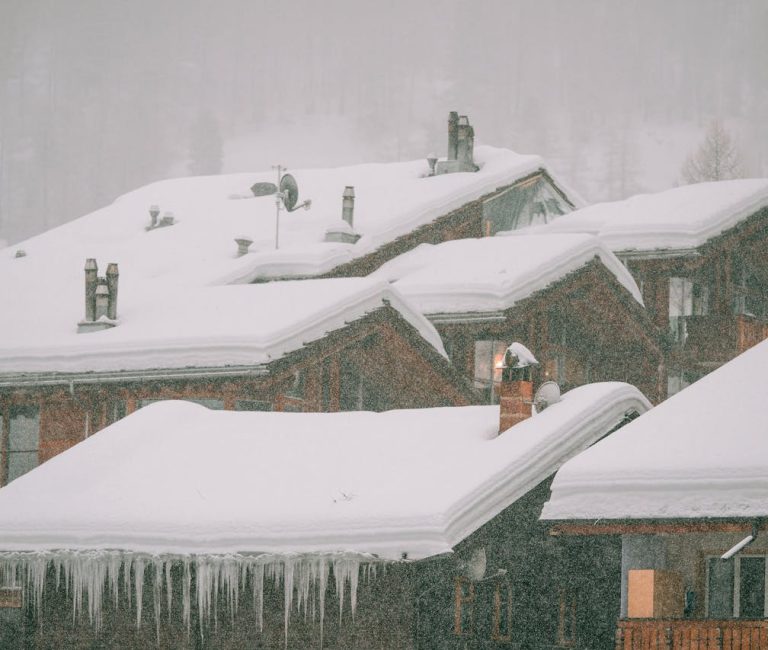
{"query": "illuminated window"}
pixel 488 357
pixel 502 612
pixel 465 599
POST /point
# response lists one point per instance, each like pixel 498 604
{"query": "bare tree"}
pixel 716 159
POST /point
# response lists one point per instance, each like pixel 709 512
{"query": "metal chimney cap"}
pixel 112 269
pixel 90 264
pixel 102 289
pixel 349 191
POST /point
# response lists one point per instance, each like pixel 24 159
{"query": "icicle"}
pixel 168 586
pixel 157 594
pixel 186 589
pixel 321 587
pixel 258 594
pixel 138 578
pixel 288 594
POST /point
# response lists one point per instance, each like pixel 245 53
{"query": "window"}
pixel 749 295
pixel 208 402
pixel 252 405
pixel 529 203
pixel 23 440
pixel 677 379
pixel 502 612
pixel 686 298
pixel 736 588
pixel 566 618
pixel 464 602
pixel 116 410
pixel 488 357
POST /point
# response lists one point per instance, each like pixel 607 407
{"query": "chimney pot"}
pixel 453 135
pixel 154 211
pixel 348 205
pixel 91 272
pixel 102 301
pixel 112 277
pixel 243 244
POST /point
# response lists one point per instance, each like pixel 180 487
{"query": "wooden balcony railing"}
pixel 689 634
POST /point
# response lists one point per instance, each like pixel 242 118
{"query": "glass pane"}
pixel 24 430
pixel 752 587
pixel 20 462
pixel 252 405
pixel 215 404
pixel 483 360
pixel 720 588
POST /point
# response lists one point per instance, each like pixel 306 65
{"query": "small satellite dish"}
pixel 474 567
pixel 548 394
pixel 290 191
pixel 263 189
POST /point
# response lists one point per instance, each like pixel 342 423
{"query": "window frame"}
pixel 6 450
pixel 496 634
pixel 460 603
pixel 736 585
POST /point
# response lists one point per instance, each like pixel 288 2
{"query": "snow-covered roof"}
pixel 678 219
pixel 242 325
pixel 702 453
pixel 493 273
pixel 175 477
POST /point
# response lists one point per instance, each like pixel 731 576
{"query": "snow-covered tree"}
pixel 716 159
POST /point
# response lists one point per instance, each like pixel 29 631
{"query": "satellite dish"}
pixel 263 189
pixel 290 191
pixel 548 394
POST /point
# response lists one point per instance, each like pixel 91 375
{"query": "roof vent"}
pixel 243 244
pixel 20 252
pixel 343 231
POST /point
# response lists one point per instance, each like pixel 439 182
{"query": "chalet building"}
pixel 567 294
pixel 684 488
pixel 317 345
pixel 404 529
pixel 698 254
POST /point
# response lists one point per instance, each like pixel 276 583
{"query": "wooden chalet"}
pixel 698 254
pixel 316 345
pixel 684 489
pixel 406 529
pixel 567 294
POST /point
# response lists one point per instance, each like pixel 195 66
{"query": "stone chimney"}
pixel 100 298
pixel 516 389
pixel 461 146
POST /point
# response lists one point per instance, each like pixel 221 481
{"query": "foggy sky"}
pixel 98 97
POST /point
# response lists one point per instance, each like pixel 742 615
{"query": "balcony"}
pixel 690 634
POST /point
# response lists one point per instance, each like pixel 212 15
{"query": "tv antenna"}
pixel 286 196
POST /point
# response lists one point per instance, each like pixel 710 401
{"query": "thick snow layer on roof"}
pixel 702 453
pixel 175 477
pixel 493 273
pixel 680 218
pixel 202 327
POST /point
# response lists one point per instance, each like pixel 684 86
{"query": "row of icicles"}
pixel 90 576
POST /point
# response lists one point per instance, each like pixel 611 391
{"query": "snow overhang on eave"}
pixel 660 254
pixel 440 318
pixel 14 380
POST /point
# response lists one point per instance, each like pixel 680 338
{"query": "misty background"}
pixel 98 97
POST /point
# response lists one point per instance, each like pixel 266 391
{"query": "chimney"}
pixel 516 389
pixel 348 205
pixel 453 135
pixel 91 273
pixel 112 277
pixel 466 145
pixel 102 299
pixel 154 212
